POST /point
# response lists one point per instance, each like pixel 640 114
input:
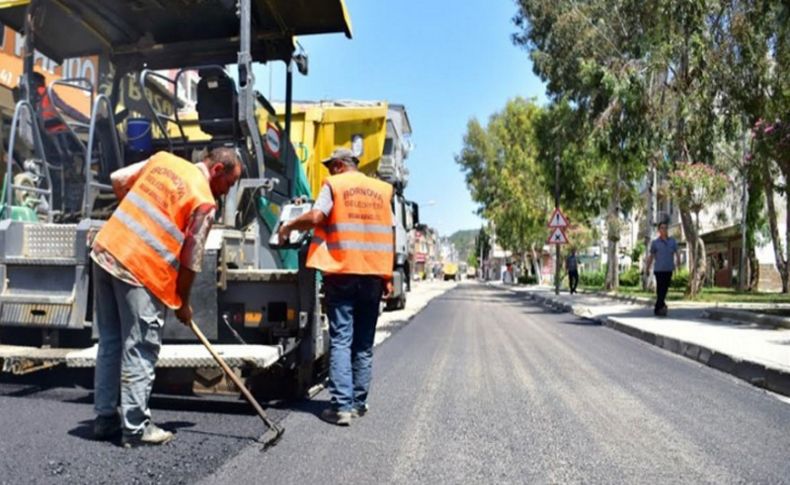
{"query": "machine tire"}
pixel 400 302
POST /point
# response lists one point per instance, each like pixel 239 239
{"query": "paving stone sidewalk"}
pixel 757 353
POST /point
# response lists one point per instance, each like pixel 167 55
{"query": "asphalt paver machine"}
pixel 259 305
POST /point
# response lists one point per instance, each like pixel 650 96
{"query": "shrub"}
pixel 527 280
pixel 592 278
pixel 680 279
pixel 637 252
pixel 631 277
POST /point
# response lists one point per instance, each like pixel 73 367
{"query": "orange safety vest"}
pixel 358 236
pixel 147 230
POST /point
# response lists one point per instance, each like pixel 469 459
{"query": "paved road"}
pixel 483 387
pixel 45 437
pixel 45 427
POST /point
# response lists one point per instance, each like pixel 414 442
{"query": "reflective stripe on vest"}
pixel 156 215
pixel 358 237
pixel 147 231
pixel 143 234
pixel 356 227
pixel 364 246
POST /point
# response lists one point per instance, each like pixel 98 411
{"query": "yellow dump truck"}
pixel 379 135
pixel 450 271
pixel 320 127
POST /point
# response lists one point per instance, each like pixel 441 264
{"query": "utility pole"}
pixel 557 206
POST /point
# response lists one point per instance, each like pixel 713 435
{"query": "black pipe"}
pixel 28 54
pixel 285 143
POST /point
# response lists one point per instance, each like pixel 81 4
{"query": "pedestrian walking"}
pixel 353 246
pixel 507 275
pixel 572 267
pixel 146 256
pixel 664 252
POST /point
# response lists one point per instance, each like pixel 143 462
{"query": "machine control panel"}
pixel 288 213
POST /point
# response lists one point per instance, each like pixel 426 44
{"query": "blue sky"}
pixel 446 61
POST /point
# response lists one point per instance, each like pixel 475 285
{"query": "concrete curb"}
pixel 636 300
pixel 743 316
pixel 772 379
pixel 759 375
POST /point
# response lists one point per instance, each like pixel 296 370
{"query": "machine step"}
pixel 272 275
pixel 170 356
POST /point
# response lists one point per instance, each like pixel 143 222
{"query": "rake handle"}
pixel 229 372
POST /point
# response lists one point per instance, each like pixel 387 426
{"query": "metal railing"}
pixel 79 83
pixel 157 116
pixel 90 194
pixel 38 148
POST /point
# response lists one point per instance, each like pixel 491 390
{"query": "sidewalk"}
pixel 756 353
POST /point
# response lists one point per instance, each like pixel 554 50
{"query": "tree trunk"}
pixel 787 239
pixel 526 266
pixel 754 271
pixel 613 235
pixel 696 254
pixel 781 262
pixel 536 263
pixel 612 267
pixel 650 222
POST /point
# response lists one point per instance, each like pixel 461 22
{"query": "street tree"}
pixel 592 57
pixel 504 178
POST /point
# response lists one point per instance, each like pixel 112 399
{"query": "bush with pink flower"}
pixel 772 139
pixel 696 185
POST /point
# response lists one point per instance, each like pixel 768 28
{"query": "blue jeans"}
pixel 353 304
pixel 129 320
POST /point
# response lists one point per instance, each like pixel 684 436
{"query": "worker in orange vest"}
pixel 53 124
pixel 146 257
pixel 353 245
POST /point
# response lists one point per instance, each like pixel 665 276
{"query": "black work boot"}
pixel 106 427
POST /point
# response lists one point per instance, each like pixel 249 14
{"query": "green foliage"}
pixel 471 260
pixel 637 252
pixel 528 280
pixel 696 186
pixel 772 140
pixel 592 278
pixel 680 279
pixel 662 82
pixel 482 244
pixel 631 277
pixel 464 242
pixel 499 163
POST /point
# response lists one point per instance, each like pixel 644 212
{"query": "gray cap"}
pixel 344 154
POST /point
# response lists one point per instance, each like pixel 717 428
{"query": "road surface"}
pixel 481 387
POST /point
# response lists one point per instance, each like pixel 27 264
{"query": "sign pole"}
pixel 557 207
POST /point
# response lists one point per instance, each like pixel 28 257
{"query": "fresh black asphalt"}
pixel 481 387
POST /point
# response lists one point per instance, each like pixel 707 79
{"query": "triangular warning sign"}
pixel 557 236
pixel 558 219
